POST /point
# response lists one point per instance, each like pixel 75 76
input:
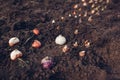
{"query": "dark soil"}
pixel 101 60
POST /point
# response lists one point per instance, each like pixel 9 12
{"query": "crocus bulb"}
pixel 87 44
pixel 82 53
pixel 65 49
pixel 75 44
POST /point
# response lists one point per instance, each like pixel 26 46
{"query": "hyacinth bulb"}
pixel 47 62
pixel 60 40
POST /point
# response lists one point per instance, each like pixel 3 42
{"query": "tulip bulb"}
pixel 13 41
pixel 15 54
pixel 36 44
pixel 36 31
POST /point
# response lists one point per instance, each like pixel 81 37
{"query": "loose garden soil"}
pixel 53 17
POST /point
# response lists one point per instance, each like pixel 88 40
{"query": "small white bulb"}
pixel 82 53
pixel 60 40
pixel 53 21
pixel 65 49
pixel 15 54
pixel 69 15
pixel 75 16
pixel 75 44
pixel 13 41
pixel 84 4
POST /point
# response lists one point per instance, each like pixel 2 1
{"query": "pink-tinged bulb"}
pixel 47 65
pixel 47 62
